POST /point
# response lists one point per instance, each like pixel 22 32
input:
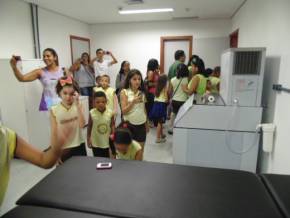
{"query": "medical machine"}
pixel 221 130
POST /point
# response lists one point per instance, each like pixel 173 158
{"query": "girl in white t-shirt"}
pixel 176 90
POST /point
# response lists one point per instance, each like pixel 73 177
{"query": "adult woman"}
pixel 84 75
pixel 120 79
pixel 48 77
pixel 198 83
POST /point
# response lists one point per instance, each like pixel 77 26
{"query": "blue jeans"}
pixel 87 91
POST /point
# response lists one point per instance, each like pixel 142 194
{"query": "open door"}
pixel 168 46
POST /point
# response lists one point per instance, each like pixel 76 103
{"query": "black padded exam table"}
pixel 145 189
pixel 43 212
pixel 279 187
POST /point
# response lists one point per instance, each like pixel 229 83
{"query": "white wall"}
pixel 138 42
pixel 16 31
pixel 266 23
pixel 210 49
pixel 55 31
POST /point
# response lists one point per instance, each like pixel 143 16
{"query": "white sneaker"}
pixel 160 140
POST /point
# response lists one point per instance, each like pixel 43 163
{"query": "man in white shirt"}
pixel 101 65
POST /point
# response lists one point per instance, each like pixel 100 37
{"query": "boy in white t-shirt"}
pixel 101 65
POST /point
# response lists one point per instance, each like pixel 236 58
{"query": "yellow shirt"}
pixel 101 129
pixel 69 118
pixel 134 147
pixel 162 97
pixel 7 149
pixel 214 84
pixel 201 87
pixel 137 114
pixel 110 94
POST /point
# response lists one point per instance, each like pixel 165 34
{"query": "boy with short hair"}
pixel 101 125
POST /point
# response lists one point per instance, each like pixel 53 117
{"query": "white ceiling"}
pixel 106 11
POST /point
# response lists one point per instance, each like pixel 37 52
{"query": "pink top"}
pixel 49 80
pixel 152 89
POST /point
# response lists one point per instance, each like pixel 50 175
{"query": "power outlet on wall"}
pixel 277 87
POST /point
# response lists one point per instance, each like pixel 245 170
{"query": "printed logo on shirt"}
pixel 102 128
pixel 68 120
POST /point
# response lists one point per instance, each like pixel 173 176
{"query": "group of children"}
pixel 140 103
pixel 102 137
pixel 184 81
pixel 189 79
pixel 60 99
pixel 67 140
pixel 158 92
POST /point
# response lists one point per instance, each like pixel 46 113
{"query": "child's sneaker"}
pixel 160 140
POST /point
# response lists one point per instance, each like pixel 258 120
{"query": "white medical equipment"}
pixel 221 130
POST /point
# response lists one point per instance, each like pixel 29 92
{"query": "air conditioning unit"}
pixel 242 75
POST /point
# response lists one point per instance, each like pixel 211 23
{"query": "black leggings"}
pixel 176 106
pixel 150 101
pixel 138 132
pixel 101 152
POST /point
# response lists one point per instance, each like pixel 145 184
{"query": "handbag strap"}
pixel 177 88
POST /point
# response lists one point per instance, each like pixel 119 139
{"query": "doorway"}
pixel 168 46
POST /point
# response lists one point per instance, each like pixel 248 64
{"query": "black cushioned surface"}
pixel 42 212
pixel 279 187
pixel 144 189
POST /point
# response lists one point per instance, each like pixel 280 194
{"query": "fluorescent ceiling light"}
pixel 144 11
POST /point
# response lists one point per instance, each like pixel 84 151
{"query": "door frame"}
pixel 164 39
pixel 232 36
pixel 73 37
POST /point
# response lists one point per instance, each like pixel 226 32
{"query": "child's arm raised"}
pixel 47 159
pixel 126 106
pixel 76 66
pixel 28 77
pixel 114 60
